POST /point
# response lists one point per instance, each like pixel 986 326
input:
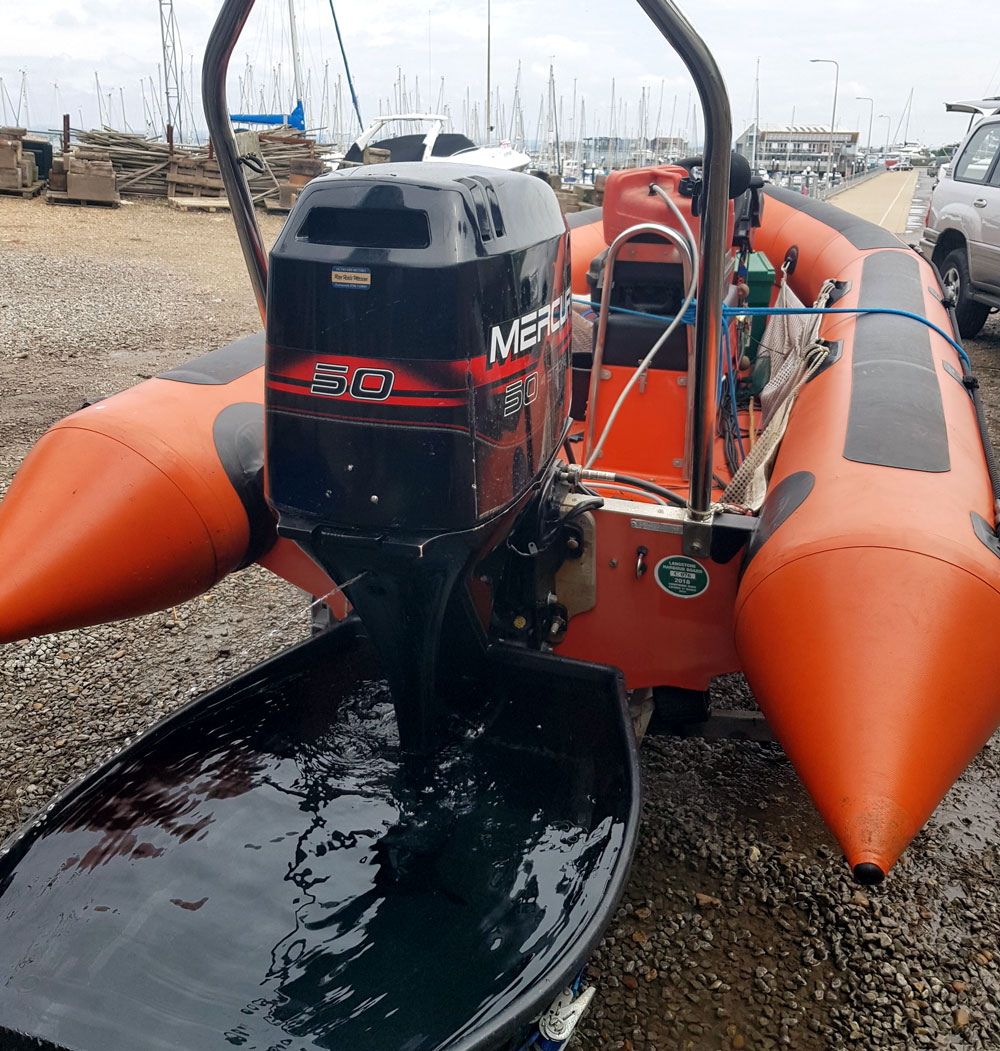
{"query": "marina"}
pixel 355 626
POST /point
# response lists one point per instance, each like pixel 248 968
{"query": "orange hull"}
pixel 126 507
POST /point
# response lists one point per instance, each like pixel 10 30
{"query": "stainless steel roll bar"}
pixel 221 42
pixel 667 17
pixel 678 32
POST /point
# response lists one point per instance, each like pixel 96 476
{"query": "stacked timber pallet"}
pixel 195 182
pixel 18 170
pixel 141 164
pixel 90 179
pixel 144 165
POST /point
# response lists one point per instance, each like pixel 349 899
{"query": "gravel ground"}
pixel 740 927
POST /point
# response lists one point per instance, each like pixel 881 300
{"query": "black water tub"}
pixel 264 870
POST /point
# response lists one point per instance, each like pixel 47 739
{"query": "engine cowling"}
pixel 418 343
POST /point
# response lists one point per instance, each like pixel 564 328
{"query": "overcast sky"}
pixel 942 51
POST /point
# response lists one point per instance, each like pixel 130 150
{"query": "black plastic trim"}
pixel 835 353
pixel 896 415
pixel 238 433
pixel 956 375
pixel 986 534
pixel 861 233
pixel 730 534
pixel 221 366
pixel 784 499
pixel 840 289
pixel 584 217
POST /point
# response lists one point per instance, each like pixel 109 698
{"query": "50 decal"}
pixel 520 393
pixel 333 381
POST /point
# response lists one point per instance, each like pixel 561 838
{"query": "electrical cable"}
pixel 639 483
pixel 730 312
pixel 620 487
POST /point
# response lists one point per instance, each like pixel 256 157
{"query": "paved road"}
pixel 884 200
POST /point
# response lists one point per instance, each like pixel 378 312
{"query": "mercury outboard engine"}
pixel 418 341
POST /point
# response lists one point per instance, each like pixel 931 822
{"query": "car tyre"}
pixel 955 280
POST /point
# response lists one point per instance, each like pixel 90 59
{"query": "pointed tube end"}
pixel 869 873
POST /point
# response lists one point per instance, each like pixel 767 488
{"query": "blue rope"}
pixel 728 313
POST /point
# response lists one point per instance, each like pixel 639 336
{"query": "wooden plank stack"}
pixel 144 165
pixel 195 181
pixel 141 164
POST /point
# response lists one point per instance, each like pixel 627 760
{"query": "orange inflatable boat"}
pixel 565 473
pixel 853 608
pixel 850 596
pixel 143 500
pixel 601 459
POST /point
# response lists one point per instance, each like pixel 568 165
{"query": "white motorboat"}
pixel 433 144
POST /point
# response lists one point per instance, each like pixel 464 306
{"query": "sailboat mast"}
pixel 670 137
pixel 489 29
pixel 296 60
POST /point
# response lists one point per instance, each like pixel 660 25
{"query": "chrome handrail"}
pixel 667 17
pixel 221 42
pixel 605 309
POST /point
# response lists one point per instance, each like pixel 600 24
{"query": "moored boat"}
pixel 431 143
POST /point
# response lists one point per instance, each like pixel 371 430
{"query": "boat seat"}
pixel 627 341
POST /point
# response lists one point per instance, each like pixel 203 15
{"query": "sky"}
pixel 942 52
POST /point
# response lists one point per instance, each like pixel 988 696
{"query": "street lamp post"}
pixel 888 125
pixel 871 111
pixel 833 119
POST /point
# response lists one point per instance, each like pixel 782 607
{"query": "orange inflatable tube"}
pixel 143 500
pixel 863 614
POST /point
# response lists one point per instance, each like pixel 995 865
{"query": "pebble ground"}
pixel 740 927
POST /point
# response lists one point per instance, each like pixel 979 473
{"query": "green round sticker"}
pixel 681 576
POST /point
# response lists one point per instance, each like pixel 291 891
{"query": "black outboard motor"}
pixel 418 341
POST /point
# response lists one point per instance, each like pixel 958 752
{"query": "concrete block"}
pixel 307 166
pixel 29 169
pixel 91 187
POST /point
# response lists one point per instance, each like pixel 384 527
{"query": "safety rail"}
pixel 590 450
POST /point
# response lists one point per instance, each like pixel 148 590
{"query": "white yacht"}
pixel 433 144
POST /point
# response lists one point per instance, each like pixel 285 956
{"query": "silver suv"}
pixel 962 235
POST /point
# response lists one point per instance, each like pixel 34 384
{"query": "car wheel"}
pixel 955 280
